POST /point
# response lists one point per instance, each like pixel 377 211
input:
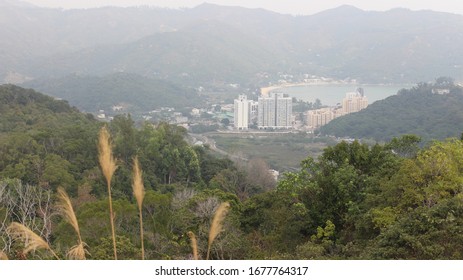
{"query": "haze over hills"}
pixel 196 53
pixel 230 44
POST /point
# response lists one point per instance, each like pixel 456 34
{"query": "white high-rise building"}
pixel 275 111
pixel 241 113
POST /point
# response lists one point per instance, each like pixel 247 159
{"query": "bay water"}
pixel 332 94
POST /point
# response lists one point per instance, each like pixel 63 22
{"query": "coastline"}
pixel 264 91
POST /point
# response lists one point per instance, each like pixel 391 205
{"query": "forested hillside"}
pixel 134 92
pixel 392 201
pixel 420 110
pixel 43 141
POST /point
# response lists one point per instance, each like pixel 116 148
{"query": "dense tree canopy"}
pixel 364 202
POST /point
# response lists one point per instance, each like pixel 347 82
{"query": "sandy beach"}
pixel 266 90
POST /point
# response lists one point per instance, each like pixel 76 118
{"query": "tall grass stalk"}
pixel 78 252
pixel 217 223
pixel 108 167
pixel 194 245
pixel 65 208
pixel 139 193
pixel 32 241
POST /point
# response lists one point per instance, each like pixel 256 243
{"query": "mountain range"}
pixel 211 43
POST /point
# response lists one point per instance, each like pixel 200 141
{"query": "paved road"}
pixel 211 143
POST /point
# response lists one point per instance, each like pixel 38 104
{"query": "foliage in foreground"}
pixel 366 203
pixel 354 202
pixel 391 201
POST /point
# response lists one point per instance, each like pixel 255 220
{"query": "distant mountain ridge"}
pixel 179 56
pixel 231 44
pixel 15 3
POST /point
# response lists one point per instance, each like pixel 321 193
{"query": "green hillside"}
pixel 44 141
pixel 416 111
pixel 24 110
pixel 133 92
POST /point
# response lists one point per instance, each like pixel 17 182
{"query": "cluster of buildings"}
pixel 275 111
pixel 353 102
pixel 270 112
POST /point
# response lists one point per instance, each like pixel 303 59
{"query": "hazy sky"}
pixel 295 7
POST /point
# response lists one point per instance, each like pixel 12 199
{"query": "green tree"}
pixel 276 223
pixel 405 146
pixel 56 173
pixel 125 249
pixel 122 128
pixel 225 122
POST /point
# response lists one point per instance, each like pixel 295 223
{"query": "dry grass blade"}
pixel 32 241
pixel 108 166
pixel 64 206
pixel 138 188
pixel 139 193
pixel 67 211
pixel 105 156
pixel 194 245
pixel 78 252
pixel 3 256
pixel 217 223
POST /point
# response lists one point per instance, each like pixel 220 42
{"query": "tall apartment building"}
pixel 354 101
pixel 253 110
pixel 275 111
pixel 241 112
